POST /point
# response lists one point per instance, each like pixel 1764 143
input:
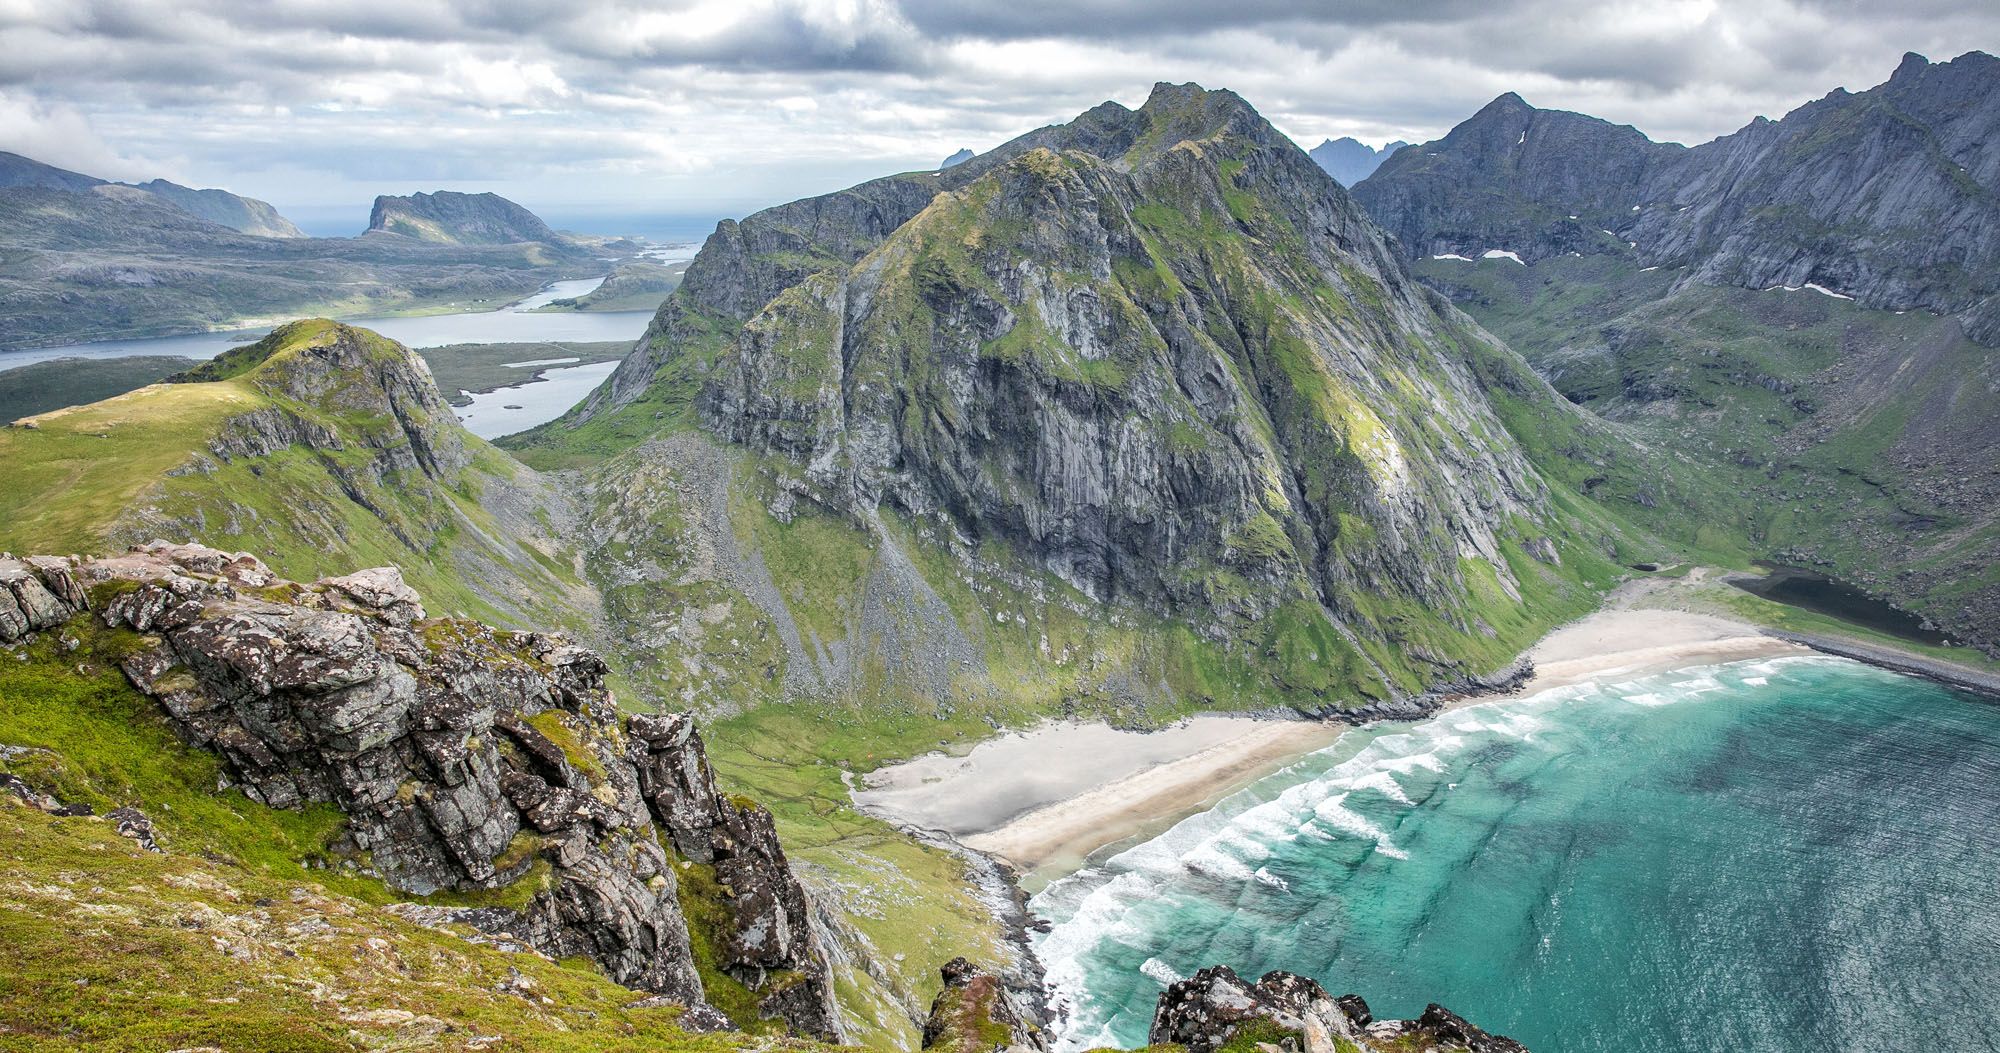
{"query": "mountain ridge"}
pixel 1350 160
pixel 454 218
pixel 1804 307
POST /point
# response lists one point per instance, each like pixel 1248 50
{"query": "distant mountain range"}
pixel 451 218
pixel 1808 304
pixel 245 214
pixel 89 259
pixel 1891 196
pixel 960 157
pixel 1349 161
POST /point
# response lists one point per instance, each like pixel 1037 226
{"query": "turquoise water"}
pixel 1792 854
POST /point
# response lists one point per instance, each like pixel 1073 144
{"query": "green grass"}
pixel 73 472
pixel 44 386
pixel 107 947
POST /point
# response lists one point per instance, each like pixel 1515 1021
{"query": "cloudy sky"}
pixel 702 108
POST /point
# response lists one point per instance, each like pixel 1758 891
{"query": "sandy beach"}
pixel 1044 799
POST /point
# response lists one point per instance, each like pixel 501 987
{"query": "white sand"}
pixel 1045 799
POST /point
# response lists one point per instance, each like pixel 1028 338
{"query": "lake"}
pixel 515 323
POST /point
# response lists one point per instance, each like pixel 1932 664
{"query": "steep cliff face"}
pixel 1798 309
pixel 489 764
pixel 454 218
pixel 1887 196
pixel 1086 358
pixel 1158 355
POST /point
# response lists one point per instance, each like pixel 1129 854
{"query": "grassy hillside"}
pixel 44 386
pixel 248 931
pixel 1807 429
pixel 303 461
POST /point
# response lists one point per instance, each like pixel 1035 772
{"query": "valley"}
pixel 980 608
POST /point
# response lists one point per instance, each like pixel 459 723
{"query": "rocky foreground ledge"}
pixel 488 763
pixel 495 766
pixel 1213 1011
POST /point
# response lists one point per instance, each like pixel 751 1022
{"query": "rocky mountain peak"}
pixel 450 217
pixel 381 390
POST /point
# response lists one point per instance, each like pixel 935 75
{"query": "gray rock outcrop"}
pixel 1285 1011
pixel 487 763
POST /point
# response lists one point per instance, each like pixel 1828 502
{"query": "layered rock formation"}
pixel 1215 1009
pixel 1158 353
pixel 454 218
pixel 487 764
pixel 1887 196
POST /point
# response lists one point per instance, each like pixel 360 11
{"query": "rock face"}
pixel 347 371
pixel 1349 161
pixel 488 763
pixel 1283 1011
pixel 450 217
pixel 1158 352
pixel 974 1013
pixel 772 944
pixel 1887 196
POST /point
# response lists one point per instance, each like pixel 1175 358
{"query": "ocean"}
pixel 1783 854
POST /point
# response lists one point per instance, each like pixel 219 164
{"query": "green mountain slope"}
pixel 324 446
pixel 1138 416
pixel 1801 312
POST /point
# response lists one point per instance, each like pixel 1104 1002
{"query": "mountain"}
pixel 114 261
pixel 958 157
pixel 244 214
pixel 221 207
pixel 1146 385
pixel 452 218
pixel 16 170
pixel 1805 306
pixel 1887 196
pixel 1349 161
pixel 311 782
pixel 323 446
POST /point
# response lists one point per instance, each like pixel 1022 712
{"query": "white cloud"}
pixel 723 105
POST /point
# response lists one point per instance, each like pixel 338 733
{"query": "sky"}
pixel 594 111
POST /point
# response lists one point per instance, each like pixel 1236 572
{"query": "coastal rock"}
pixel 974 1013
pixel 1215 1008
pixel 489 763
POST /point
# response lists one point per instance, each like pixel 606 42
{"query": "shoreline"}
pixel 1042 801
